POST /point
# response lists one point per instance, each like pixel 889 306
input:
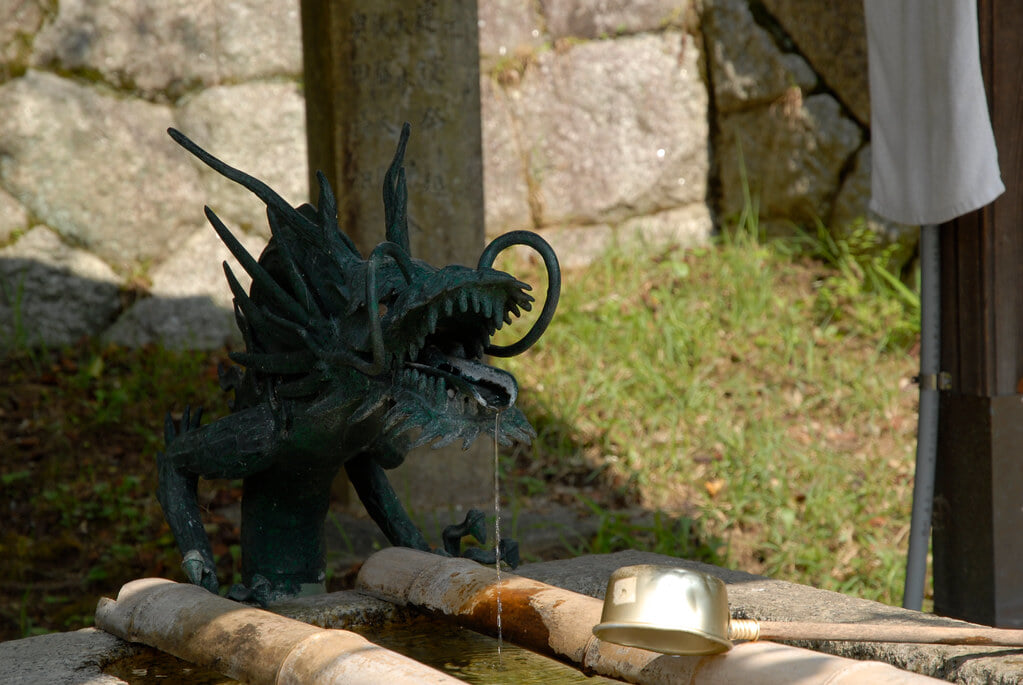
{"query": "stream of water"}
pixel 497 533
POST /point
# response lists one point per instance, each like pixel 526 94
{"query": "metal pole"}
pixel 927 427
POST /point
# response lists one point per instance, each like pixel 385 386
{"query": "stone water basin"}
pixel 254 645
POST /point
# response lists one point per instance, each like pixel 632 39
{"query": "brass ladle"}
pixel 678 611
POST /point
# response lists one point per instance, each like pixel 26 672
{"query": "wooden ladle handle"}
pixel 874 632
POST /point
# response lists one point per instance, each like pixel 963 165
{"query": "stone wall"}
pixel 604 121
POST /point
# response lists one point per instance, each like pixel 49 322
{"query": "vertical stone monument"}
pixel 368 68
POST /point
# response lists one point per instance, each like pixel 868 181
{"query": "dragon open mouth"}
pixel 452 333
pixel 489 386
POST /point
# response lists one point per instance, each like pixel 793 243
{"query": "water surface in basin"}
pixel 151 667
pixel 473 657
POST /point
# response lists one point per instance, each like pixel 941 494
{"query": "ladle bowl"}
pixel 665 609
pixel 677 611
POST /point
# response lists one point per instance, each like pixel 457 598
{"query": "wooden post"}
pixel 369 67
pixel 978 506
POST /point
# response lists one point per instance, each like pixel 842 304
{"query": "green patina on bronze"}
pixel 348 361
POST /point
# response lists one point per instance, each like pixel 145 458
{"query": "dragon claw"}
pixel 474 525
pixel 200 571
pixel 189 422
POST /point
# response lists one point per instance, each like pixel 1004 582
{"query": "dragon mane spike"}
pixel 298 285
pixel 396 194
pixel 260 189
pixel 327 213
pixel 245 310
pixel 258 273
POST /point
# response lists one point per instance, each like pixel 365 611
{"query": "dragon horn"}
pixel 327 210
pixel 396 195
pixel 257 187
pixel 550 260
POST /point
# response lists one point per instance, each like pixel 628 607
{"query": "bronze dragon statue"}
pixel 349 362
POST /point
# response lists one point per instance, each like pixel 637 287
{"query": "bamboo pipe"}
pixel 249 644
pixel 559 623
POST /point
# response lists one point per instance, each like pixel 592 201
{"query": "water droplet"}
pixel 660 153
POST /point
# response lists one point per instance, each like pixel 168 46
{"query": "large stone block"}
pixel 258 128
pixel 683 226
pixel 162 49
pixel 615 128
pixel 747 68
pixel 99 170
pixel 851 213
pixel 52 294
pixel 790 154
pixel 507 28
pixel 13 216
pixel 604 18
pixel 505 187
pixel 833 37
pixel 19 21
pixel 191 304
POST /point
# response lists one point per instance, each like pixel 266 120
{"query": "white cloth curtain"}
pixel 933 151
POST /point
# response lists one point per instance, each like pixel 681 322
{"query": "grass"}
pixel 759 391
pixel 753 397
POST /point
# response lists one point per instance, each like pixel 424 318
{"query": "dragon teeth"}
pixel 431 318
pixel 449 306
pixel 463 301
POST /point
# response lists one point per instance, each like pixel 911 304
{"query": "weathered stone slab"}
pixel 792 154
pixel 832 36
pixel 258 128
pixel 63 658
pixel 746 66
pixel 603 18
pixel 161 50
pixel 775 600
pixel 53 294
pixel 99 170
pixel 605 142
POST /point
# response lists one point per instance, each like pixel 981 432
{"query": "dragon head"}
pixel 389 341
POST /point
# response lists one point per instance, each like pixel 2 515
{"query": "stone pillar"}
pixel 369 67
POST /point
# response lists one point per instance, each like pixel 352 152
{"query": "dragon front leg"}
pixel 177 493
pixel 382 504
pixel 233 447
pixel 384 507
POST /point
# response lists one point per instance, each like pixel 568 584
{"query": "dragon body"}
pixel 349 362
